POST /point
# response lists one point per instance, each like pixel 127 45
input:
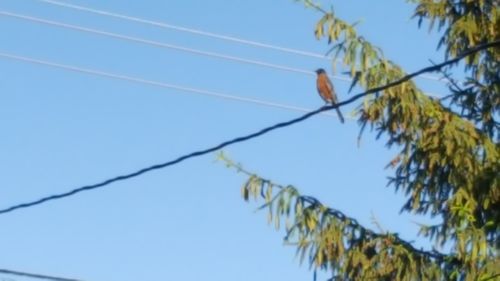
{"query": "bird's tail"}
pixel 341 117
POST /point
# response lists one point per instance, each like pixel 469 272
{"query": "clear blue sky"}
pixel 61 130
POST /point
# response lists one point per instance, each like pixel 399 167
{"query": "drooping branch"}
pixel 315 203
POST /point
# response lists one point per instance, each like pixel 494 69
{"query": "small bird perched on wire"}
pixel 326 90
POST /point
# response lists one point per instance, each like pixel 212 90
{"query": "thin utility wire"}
pixel 435 67
pixel 170 46
pixel 164 45
pixel 199 32
pixel 159 84
pixel 186 29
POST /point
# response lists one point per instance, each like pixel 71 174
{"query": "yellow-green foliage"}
pixel 333 241
pixel 448 164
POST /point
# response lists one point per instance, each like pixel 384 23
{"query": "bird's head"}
pixel 320 70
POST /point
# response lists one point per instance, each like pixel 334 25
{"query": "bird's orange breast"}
pixel 324 88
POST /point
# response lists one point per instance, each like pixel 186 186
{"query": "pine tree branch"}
pixel 352 222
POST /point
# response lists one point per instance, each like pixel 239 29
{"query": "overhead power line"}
pixel 170 46
pixel 158 84
pixel 33 275
pixel 249 136
pixel 186 29
pixel 164 45
pixel 198 32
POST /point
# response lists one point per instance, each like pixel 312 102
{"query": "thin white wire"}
pixel 201 32
pixel 164 45
pixel 170 46
pixel 185 29
pixel 158 84
pixel 431 77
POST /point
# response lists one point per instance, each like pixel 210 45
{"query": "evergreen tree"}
pixel 447 166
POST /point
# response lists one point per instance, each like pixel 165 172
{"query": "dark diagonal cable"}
pixel 250 136
pixel 33 275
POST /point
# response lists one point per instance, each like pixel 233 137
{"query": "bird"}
pixel 326 90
